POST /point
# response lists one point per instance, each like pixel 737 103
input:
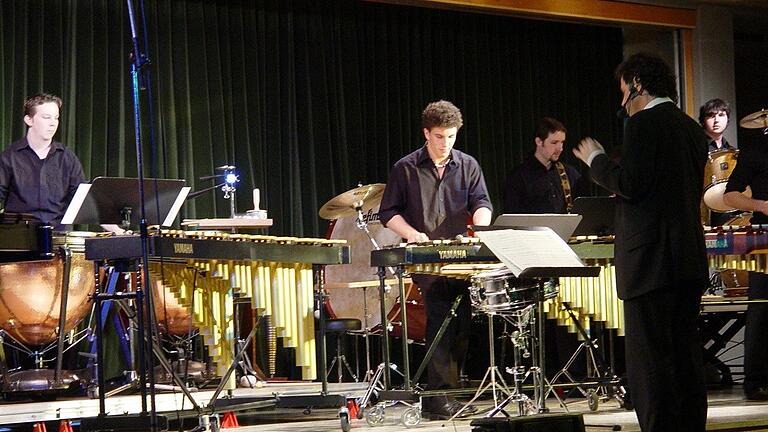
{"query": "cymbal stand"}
pixel 362 224
pixel 369 373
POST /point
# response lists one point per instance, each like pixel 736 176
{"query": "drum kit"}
pixel 720 165
pixel 352 289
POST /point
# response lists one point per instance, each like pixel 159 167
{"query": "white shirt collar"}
pixel 657 101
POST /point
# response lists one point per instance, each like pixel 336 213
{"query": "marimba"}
pixel 206 270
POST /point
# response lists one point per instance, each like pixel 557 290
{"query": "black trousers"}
pixel 665 369
pixel 755 344
pixel 439 294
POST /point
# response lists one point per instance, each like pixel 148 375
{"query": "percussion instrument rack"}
pixel 467 250
pixel 438 252
pixel 180 246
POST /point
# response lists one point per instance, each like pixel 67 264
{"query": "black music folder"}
pixel 115 200
pixel 597 216
pixel 562 224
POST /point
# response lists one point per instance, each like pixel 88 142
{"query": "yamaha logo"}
pixel 183 248
pixel 452 254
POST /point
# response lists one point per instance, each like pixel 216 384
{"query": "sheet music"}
pixel 76 203
pixel 522 249
pixel 171 216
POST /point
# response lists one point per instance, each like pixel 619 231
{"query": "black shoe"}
pixel 449 409
pixel 471 409
pixel 758 394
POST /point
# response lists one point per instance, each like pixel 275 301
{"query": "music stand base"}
pixel 127 423
pixel 539 422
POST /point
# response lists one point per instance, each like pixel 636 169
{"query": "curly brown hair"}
pixel 441 114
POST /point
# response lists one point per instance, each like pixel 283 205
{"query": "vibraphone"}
pixel 437 258
pixel 588 297
pixel 205 270
pixel 738 247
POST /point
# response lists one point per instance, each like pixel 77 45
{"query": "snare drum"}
pixel 30 292
pixel 353 287
pixel 718 169
pixel 500 291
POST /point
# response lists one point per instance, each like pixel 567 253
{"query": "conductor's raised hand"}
pixel 586 147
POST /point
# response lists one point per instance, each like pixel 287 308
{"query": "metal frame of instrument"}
pixel 439 252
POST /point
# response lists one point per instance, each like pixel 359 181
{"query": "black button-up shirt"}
pixel 725 146
pixel 42 187
pixel 439 208
pixel 531 188
pixel 751 170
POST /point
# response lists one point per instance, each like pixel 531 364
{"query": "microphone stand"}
pixel 145 357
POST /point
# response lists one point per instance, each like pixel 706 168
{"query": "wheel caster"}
pixel 344 419
pixel 593 400
pixel 411 417
pixel 374 416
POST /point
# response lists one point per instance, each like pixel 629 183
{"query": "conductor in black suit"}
pixel 660 258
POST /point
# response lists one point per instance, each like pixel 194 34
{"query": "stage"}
pixel 255 410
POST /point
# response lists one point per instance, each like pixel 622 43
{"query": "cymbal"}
pixel 346 204
pixel 757 120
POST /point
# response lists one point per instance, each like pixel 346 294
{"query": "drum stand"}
pixel 491 375
pixel 540 383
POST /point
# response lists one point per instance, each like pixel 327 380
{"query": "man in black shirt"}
pixel 37 174
pixel 430 195
pixel 713 117
pixel 752 170
pixel 659 252
pixel 542 184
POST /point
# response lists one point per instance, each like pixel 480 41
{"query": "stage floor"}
pixel 728 411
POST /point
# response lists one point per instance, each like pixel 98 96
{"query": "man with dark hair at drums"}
pixel 752 171
pixel 541 183
pixel 37 174
pixel 713 116
pixel 430 195
pixel 660 258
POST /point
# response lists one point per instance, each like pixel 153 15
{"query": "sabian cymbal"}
pixel 758 120
pixel 346 204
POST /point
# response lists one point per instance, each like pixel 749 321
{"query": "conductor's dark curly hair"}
pixel 651 72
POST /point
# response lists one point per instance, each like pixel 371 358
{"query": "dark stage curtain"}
pixel 307 98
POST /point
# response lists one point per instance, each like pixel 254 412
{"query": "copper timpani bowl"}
pixel 30 292
pixel 172 317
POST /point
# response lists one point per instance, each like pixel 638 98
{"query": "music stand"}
pixel 112 200
pixel 597 215
pixel 562 224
